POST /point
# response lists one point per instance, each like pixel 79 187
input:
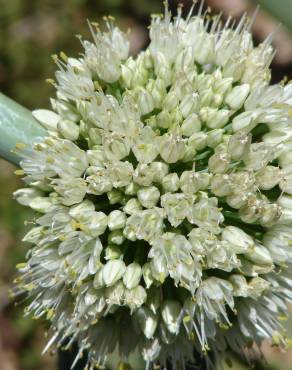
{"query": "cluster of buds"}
pixel 163 195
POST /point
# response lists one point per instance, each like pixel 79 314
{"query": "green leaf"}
pixel 17 125
pixel 279 9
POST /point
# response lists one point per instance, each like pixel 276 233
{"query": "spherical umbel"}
pixel 162 195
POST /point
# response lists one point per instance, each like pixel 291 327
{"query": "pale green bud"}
pixel 147 275
pixel 204 48
pixel 98 281
pixel 69 130
pixel 270 214
pixel 258 156
pixel 96 156
pixel 170 313
pixel 114 294
pixel 171 101
pixel 191 125
pixel 238 239
pixel 189 104
pixel 259 255
pixel 214 118
pixel 198 140
pixel 132 206
pixel 47 118
pixel 41 204
pixel 112 252
pixel 115 196
pixel 170 182
pixel 70 191
pixel 95 136
pixel 113 271
pixel 132 189
pixel 157 90
pixel 172 147
pixel 143 175
pixel 115 147
pixel 239 144
pixel 176 206
pixel 246 121
pixel 236 200
pixel 34 235
pixel 135 298
pixel 147 321
pixel 148 197
pixel 99 183
pixel 116 220
pixel 116 237
pixel 25 196
pixel 221 185
pixel 240 286
pixel 132 275
pixel 144 100
pixel 269 177
pixel 164 119
pixel 237 96
pixel 85 207
pixel 159 170
pixel 154 299
pixel 189 182
pixel 219 162
pixel 214 137
pixel 257 286
pixel 95 223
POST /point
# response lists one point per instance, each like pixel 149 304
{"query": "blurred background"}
pixel 30 32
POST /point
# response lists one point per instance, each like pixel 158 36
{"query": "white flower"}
pixel 162 196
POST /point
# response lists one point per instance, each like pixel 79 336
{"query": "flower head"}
pixel 163 195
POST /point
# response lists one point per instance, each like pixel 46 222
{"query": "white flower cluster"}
pixel 163 195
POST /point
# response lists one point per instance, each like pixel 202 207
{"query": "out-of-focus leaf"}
pixel 17 125
pixel 280 9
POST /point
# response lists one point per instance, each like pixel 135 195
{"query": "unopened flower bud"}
pixel 69 130
pixel 189 182
pixel 170 183
pixel 115 196
pixel 221 185
pixel 112 252
pixel 132 275
pixel 219 162
pixel 148 197
pixel 239 144
pixel 191 125
pixel 116 220
pixel 147 275
pixel 189 104
pixel 116 237
pixel 214 137
pixel 147 321
pixel 172 147
pixel 269 177
pixel 113 271
pixel 132 206
pixel 170 313
pixel 198 140
pixel 270 214
pixel 259 255
pixel 240 241
pixel 143 175
pixel 214 118
pixel 159 171
pixel 135 298
pixel 237 96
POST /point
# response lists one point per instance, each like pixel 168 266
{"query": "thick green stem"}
pixel 17 125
